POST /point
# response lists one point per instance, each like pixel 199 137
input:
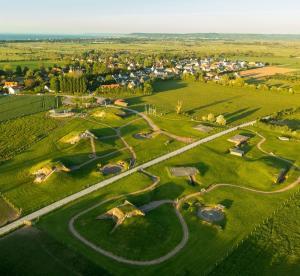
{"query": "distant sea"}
pixel 25 37
pixel 195 36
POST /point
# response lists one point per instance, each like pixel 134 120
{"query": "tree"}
pixel 148 89
pixel 29 83
pixel 55 84
pixel 29 74
pixel 221 120
pixel 225 80
pixel 19 70
pixel 239 82
pixel 211 117
pixel 8 69
pixel 179 107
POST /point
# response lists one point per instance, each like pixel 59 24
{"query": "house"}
pixel 238 139
pixel 12 90
pixel 11 84
pixel 110 86
pixel 237 152
pixel 121 102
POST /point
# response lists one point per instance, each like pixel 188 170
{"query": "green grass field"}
pixel 199 99
pixel 244 210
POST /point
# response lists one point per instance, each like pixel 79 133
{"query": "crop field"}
pixel 32 127
pixel 8 213
pixel 17 106
pixel 273 248
pixel 265 72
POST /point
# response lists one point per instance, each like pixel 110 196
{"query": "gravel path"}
pixel 146 208
pixel 177 204
pixel 155 128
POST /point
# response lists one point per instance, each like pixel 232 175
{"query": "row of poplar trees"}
pixel 69 84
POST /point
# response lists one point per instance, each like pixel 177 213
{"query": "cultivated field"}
pixel 265 72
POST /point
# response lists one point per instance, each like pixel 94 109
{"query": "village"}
pixel 111 74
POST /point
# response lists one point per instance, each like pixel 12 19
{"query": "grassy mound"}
pixel 138 238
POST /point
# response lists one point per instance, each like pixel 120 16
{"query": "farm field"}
pixel 273 248
pixel 265 72
pixel 17 106
pixel 8 213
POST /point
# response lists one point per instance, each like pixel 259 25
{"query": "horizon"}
pixel 133 16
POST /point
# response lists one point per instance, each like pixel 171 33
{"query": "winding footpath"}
pixel 146 208
pixel 154 127
pixel 177 205
pixel 58 204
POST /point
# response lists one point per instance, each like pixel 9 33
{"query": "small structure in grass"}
pixel 45 171
pixel 74 137
pixel 189 172
pixel 237 152
pixel 211 214
pixel 203 128
pixel 143 135
pixel 55 113
pixel 120 213
pixel 282 176
pixel 114 168
pixel 239 139
pixel 283 138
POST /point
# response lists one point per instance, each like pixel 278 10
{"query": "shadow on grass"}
pixel 194 110
pixel 240 114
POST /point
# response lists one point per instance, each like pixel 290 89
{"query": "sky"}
pixel 159 16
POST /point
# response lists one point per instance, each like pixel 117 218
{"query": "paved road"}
pixel 20 222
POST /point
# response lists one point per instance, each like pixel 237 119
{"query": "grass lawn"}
pixel 138 238
pixel 199 99
pixel 244 209
pixel 205 246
